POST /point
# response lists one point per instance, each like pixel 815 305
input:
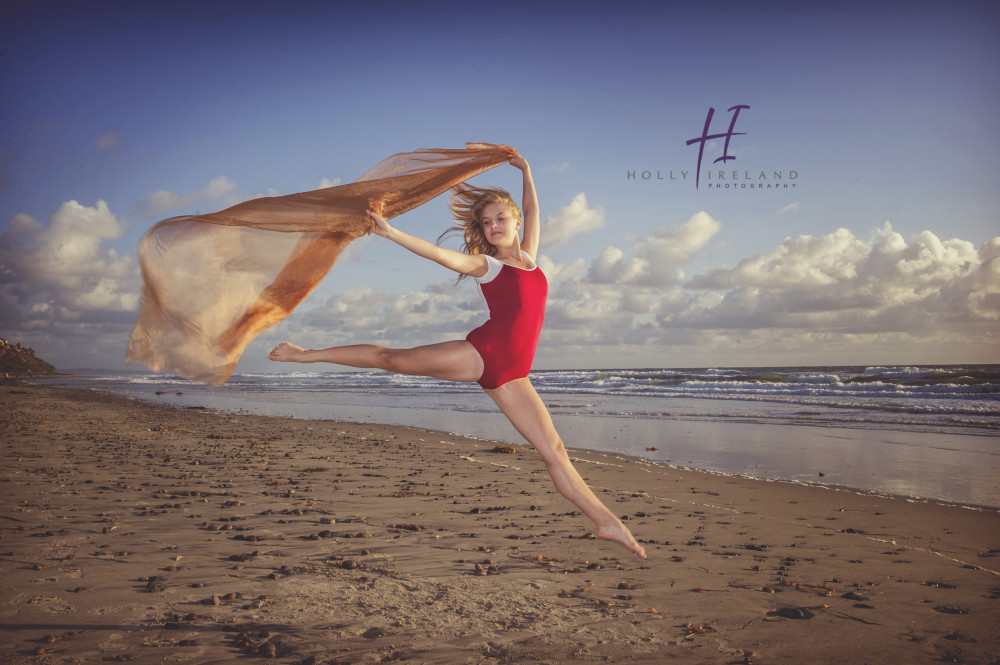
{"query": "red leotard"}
pixel 516 298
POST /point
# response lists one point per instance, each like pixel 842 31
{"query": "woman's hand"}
pixel 518 162
pixel 381 227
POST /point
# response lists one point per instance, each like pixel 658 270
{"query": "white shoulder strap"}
pixel 493 268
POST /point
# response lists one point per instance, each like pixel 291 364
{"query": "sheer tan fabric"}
pixel 214 282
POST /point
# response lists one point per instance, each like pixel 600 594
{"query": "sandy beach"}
pixel 146 534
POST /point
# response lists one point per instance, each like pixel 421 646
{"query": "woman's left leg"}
pixel 526 411
pixel 456 360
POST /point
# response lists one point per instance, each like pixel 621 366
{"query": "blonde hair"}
pixel 467 204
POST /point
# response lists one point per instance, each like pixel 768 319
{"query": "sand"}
pixel 137 533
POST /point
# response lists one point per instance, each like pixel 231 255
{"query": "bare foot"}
pixel 286 352
pixel 619 533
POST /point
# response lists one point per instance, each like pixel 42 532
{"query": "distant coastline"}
pixel 19 361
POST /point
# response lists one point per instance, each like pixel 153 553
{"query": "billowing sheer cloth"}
pixel 211 283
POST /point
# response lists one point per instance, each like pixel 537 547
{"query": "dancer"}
pixel 499 353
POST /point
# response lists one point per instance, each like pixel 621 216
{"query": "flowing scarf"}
pixel 212 283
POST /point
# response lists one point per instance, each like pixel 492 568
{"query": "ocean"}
pixel 924 432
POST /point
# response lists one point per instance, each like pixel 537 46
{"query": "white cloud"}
pixel 611 267
pixel 839 282
pixel 62 268
pixel 327 182
pixel 571 220
pixel 162 201
pixel 657 260
pixel 791 207
pixel 432 314
pixel 716 278
pixel 556 272
pixel 804 261
pixel 218 188
pixel 985 297
pixel 597 308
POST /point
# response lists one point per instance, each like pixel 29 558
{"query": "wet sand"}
pixel 143 534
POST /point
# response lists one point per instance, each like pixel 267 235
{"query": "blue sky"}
pixel 118 114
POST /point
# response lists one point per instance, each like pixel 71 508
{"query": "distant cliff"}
pixel 16 359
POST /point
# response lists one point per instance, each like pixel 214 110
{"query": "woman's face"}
pixel 500 225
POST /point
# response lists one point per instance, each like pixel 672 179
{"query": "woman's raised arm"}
pixel 529 209
pixel 467 264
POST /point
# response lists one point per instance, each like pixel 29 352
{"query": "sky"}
pixel 850 218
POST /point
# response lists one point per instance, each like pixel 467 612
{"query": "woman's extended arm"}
pixel 529 209
pixel 467 264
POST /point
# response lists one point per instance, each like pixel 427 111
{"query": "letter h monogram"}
pixel 705 136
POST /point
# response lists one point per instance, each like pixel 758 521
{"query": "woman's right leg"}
pixel 527 412
pixel 452 361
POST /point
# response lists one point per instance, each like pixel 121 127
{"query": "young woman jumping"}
pixel 498 354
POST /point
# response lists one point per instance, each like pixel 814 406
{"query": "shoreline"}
pixel 950 466
pixel 516 440
pixel 151 532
